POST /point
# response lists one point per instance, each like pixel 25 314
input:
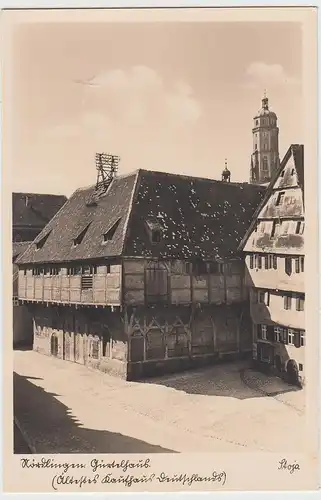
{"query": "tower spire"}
pixel 226 174
pixel 265 155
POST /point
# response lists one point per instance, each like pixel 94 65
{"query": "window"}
pixel 287 301
pixel 282 173
pixel 300 303
pixel 255 147
pixel 302 338
pixel 213 267
pixel 108 236
pixel 156 236
pixel 277 334
pixel 297 264
pixel 275 228
pixel 280 198
pixel 259 261
pixel 81 236
pixel 86 282
pixel 262 332
pixel 288 265
pixel 291 335
pixel 300 367
pixel 299 227
pixel 302 264
pixel 265 166
pixel 266 262
pixel 292 171
pixel 25 272
pixel 42 241
pixel 256 122
pixel 199 268
pixel 270 261
pixel 275 262
pixel 251 261
pixel 263 297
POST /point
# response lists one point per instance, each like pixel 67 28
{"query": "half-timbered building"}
pixel 143 277
pixel 274 249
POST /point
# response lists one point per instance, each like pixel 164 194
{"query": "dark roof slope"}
pixel 19 248
pixel 297 150
pixel 35 210
pixel 200 218
pixel 76 216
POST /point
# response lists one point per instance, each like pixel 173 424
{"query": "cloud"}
pixel 140 94
pixel 262 75
pixel 131 113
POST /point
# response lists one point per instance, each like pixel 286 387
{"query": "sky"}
pixel 175 97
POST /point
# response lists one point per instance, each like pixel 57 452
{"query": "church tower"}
pixel 265 157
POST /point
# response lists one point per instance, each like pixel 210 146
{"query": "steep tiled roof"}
pixel 77 215
pixel 19 247
pixel 35 210
pixel 199 218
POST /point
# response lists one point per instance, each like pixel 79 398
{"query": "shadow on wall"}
pixel 54 429
pixel 224 380
pixel 281 363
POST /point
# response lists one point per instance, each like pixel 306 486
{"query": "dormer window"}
pixel 155 231
pixel 80 236
pixel 42 241
pixel 156 236
pixel 108 236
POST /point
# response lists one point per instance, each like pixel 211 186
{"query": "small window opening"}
pixel 108 236
pixel 81 236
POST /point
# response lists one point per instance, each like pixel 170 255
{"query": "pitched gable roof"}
pixel 297 152
pixel 75 216
pixel 35 210
pixel 199 218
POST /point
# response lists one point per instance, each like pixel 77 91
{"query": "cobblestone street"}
pixel 65 407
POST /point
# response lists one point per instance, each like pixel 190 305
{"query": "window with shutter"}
pixel 302 338
pixel 287 301
pixel 297 265
pixel 300 304
pixel 270 333
pixel 302 264
pixel 288 265
pixel 251 261
pixel 297 339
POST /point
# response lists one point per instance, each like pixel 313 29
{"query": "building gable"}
pixel 278 224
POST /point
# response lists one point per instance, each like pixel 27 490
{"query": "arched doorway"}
pixel 54 345
pixel 292 372
pixel 278 363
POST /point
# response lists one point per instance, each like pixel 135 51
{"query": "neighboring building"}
pixel 30 214
pixel 274 248
pixel 265 159
pixel 144 277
